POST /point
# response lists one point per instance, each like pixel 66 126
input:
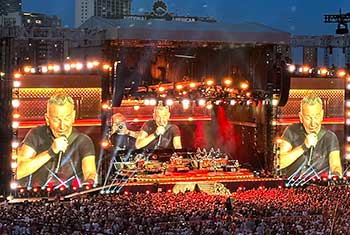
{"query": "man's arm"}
pixel 89 168
pixel 177 142
pixel 288 155
pixel 144 139
pixel 29 162
pixel 335 163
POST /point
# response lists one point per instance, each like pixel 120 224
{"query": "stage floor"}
pixel 170 181
pixel 192 176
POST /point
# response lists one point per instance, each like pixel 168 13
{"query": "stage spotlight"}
pixel 170 191
pixel 209 106
pixel 233 102
pixel 169 102
pixel 106 67
pixel 17 75
pixel 56 68
pixel 15 103
pixel 217 102
pixel 185 103
pixel 66 67
pixel 62 188
pixel 201 102
pixel 153 102
pixel 227 81
pixel 335 178
pixel 323 71
pixel 291 68
pixel 126 193
pixel 179 87
pixel 27 69
pixel 89 65
pixel 13 185
pixel 16 84
pixel 15 124
pixel 148 192
pixel 147 101
pixel 341 73
pixel 192 85
pixel 79 66
pixel 105 106
pixel 15 144
pixel 244 85
pixel 49 189
pixel 209 82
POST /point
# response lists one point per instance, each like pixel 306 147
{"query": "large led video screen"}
pixel 309 147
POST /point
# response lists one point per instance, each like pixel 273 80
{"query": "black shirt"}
pixel 79 146
pixel 164 141
pixel 327 142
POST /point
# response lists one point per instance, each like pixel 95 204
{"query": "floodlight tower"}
pixel 342 21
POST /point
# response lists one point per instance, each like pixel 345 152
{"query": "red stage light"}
pixel 75 188
pixel 126 193
pixel 170 191
pixel 62 188
pixel 48 189
pixel 35 189
pixel 148 192
pixel 22 190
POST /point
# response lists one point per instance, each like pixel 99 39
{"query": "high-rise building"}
pixel 9 6
pixel 84 9
pixel 310 56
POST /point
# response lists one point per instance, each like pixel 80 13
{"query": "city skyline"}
pixel 293 16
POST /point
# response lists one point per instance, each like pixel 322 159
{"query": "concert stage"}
pixel 210 182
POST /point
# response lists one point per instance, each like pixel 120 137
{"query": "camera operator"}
pixel 121 137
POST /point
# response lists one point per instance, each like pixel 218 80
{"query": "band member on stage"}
pixel 121 137
pixel 307 148
pixel 56 153
pixel 159 133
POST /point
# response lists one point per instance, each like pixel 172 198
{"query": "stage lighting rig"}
pixel 341 19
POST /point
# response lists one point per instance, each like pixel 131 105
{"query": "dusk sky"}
pixel 294 16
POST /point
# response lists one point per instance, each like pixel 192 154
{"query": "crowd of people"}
pixel 309 210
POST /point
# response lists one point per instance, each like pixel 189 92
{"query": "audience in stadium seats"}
pixel 311 210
